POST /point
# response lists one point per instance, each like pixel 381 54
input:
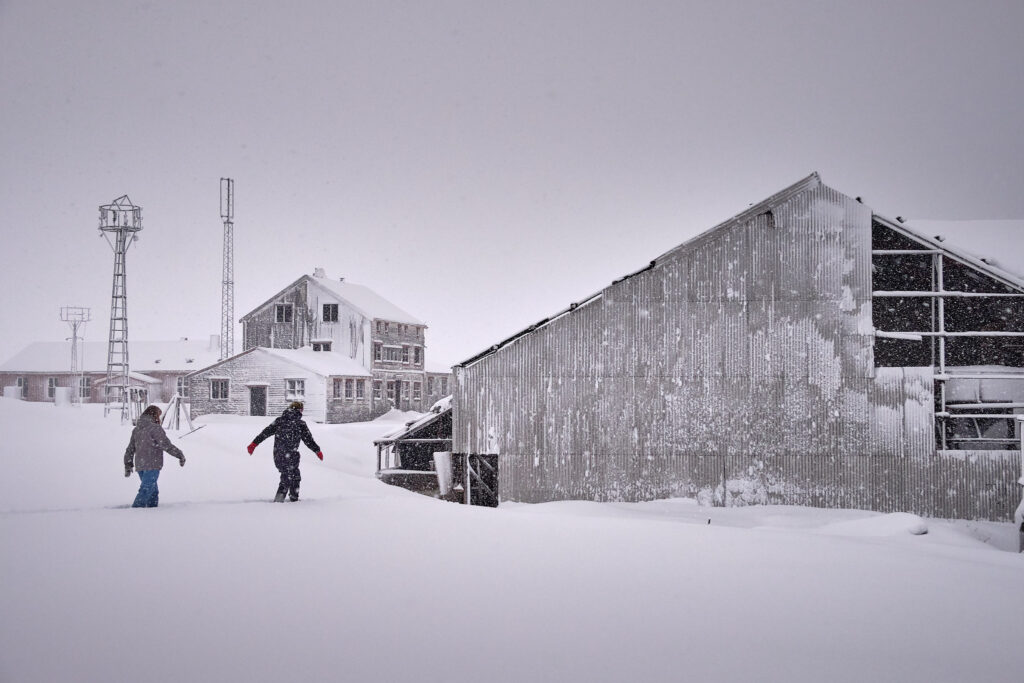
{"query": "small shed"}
pixel 418 457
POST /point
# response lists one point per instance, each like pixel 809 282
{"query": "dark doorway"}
pixel 398 395
pixel 258 401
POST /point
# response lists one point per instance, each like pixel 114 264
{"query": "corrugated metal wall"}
pixel 737 369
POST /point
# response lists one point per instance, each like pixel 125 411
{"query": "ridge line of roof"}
pixel 783 195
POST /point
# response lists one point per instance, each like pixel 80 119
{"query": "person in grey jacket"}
pixel 145 453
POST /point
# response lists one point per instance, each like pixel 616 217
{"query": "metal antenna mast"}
pixel 120 220
pixel 75 316
pixel 227 299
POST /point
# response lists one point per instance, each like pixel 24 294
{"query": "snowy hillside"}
pixel 363 582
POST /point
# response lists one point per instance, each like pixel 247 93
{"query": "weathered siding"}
pixel 737 368
pixel 261 329
pixel 256 369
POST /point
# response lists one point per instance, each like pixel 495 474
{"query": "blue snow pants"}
pixel 149 494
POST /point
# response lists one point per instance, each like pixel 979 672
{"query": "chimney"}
pixel 214 342
pixel 319 272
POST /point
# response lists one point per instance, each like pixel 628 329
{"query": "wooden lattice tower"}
pixel 227 301
pixel 119 223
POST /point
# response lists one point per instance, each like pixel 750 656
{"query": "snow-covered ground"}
pixel 363 582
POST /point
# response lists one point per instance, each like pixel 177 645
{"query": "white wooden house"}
pixel 347 352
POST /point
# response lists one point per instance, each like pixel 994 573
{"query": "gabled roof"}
pixel 363 299
pixel 145 356
pixel 366 301
pixel 323 363
pixel 810 182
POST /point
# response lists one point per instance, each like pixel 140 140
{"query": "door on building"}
pixel 258 401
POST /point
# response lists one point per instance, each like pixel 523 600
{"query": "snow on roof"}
pixel 437 410
pixel 135 375
pixel 323 363
pixel 183 355
pixel 997 243
pixel 365 300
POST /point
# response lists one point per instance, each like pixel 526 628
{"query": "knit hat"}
pixel 296 404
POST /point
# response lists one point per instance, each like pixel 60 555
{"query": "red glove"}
pixel 251 447
pixel 320 454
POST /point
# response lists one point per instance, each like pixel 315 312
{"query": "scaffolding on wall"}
pixel 965 320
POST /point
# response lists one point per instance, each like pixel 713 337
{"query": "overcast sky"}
pixel 479 164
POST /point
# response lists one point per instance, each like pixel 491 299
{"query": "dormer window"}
pixel 283 313
pixel 322 346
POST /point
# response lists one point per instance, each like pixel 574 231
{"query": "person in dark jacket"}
pixel 145 453
pixel 287 431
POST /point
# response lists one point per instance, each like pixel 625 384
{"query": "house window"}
pixel 294 389
pixel 444 386
pixel 378 351
pixel 321 346
pixel 393 354
pixel 218 389
pixel 51 387
pixel 376 389
pixel 415 391
pixel 391 390
pixel 338 387
pixel 405 354
pixel 380 326
pixel 430 385
pixel 330 313
pixel 84 387
pixel 360 392
pixel 348 388
pixel 405 389
pixel 417 354
pixel 23 386
pixel 283 313
pixel 181 386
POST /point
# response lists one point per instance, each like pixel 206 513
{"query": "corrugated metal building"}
pixel 807 351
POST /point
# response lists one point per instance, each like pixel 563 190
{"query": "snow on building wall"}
pixel 737 368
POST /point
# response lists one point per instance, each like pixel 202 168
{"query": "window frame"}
pixel 51 388
pixel 330 313
pixel 295 388
pixel 378 390
pixel 284 313
pixel 84 386
pixel 216 382
pixel 181 386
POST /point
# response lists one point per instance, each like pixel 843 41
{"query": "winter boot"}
pixel 293 494
pixel 279 498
